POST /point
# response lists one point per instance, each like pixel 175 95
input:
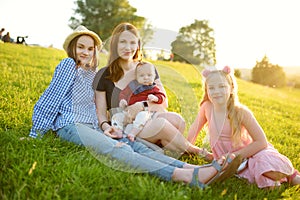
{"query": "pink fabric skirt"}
pixel 267 160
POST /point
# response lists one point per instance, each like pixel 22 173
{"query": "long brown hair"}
pixel 71 51
pixel 116 71
pixel 234 111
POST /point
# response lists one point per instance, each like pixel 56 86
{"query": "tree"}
pixel 102 16
pixel 146 33
pixel 237 73
pixel 265 73
pixel 195 44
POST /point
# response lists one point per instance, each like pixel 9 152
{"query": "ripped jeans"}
pixel 134 154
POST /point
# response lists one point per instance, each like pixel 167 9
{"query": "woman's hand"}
pixel 113 132
pixel 131 137
pixel 208 156
pixel 133 110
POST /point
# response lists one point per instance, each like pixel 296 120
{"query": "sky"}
pixel 244 30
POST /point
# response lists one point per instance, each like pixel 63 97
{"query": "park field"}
pixel 52 169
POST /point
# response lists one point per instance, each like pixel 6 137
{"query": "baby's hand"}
pixel 123 103
pixel 127 119
pixel 133 110
pixel 152 98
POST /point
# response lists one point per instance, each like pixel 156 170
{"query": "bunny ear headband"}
pixel 226 70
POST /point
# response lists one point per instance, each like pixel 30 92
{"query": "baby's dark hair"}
pixel 141 63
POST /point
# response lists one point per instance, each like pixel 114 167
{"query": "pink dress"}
pixel 266 160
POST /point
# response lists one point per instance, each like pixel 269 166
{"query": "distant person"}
pixel 171 57
pixel 1 33
pixel 6 38
pixel 21 40
pixel 232 127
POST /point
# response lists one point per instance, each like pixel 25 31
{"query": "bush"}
pixel 265 73
pixel 237 73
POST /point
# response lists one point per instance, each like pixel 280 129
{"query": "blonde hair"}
pixel 234 111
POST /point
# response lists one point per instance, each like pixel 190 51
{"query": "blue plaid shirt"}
pixel 68 99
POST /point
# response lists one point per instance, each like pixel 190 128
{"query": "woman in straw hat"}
pixel 67 107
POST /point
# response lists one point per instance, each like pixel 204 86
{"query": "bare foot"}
pixel 296 180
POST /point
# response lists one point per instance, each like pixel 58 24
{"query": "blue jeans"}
pixel 134 154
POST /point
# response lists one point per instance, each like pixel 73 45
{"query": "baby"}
pixel 143 89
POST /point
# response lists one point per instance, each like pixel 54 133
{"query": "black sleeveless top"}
pixel 103 84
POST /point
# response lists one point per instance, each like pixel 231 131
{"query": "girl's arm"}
pixel 257 134
pixel 47 108
pixel 197 125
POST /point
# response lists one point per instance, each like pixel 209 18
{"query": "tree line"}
pixel 194 44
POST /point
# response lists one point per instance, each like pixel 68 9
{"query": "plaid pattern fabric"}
pixel 84 108
pixel 65 100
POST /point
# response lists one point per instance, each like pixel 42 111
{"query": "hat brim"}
pixel 73 35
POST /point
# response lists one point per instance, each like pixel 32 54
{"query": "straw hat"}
pixel 81 30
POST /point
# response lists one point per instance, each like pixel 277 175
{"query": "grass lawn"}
pixel 51 169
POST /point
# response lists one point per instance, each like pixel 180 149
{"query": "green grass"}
pixel 66 171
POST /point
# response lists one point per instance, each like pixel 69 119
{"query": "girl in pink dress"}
pixel 232 127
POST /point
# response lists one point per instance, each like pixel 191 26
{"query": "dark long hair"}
pixel 116 71
pixel 71 51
